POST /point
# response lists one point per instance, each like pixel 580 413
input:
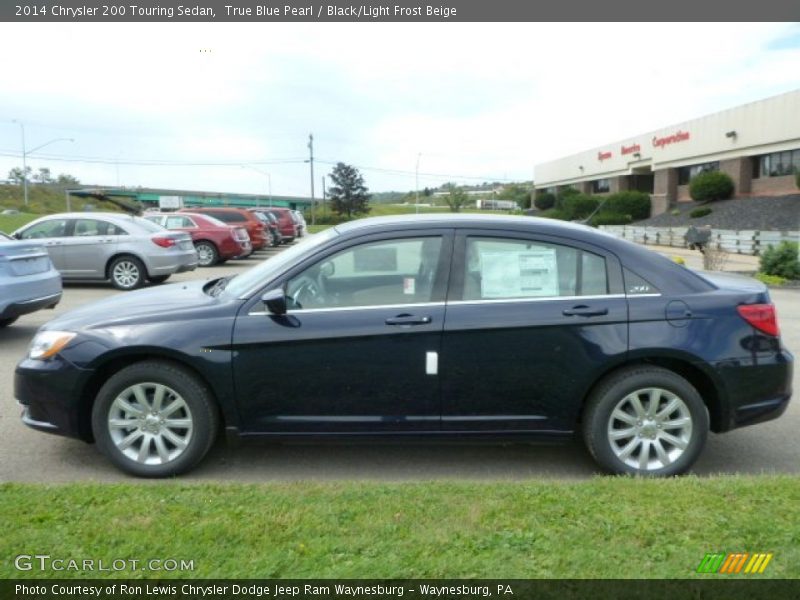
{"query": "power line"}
pixel 437 175
pixel 154 162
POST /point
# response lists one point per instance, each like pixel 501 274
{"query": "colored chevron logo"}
pixel 735 562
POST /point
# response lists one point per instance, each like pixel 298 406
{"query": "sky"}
pixel 229 106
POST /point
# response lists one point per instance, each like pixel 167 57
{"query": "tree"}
pixel 64 179
pixel 16 175
pixel 348 195
pixel 710 186
pixel 456 197
pixel 516 192
pixel 43 176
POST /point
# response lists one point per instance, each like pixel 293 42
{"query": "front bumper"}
pixel 49 393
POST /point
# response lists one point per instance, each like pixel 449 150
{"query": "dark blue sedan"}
pixel 438 326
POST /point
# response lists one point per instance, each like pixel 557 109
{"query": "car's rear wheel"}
pixel 126 272
pixel 207 254
pixel 154 419
pixel 645 421
pixel 7 322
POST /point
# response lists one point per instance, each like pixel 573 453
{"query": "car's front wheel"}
pixel 154 419
pixel 645 421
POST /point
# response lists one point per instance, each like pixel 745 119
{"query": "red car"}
pixel 214 240
pixel 286 223
pixel 238 217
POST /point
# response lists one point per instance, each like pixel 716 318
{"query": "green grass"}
pixel 604 527
pixel 9 223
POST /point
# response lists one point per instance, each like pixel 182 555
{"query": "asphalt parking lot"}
pixel 27 455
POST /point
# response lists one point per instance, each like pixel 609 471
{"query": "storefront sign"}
pixel 679 136
pixel 601 156
pixel 631 149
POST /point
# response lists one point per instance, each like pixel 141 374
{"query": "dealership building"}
pixel 757 144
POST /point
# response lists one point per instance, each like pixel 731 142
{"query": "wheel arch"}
pixel 112 364
pixel 708 386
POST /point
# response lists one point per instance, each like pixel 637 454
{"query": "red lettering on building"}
pixel 679 136
pixel 601 156
pixel 630 149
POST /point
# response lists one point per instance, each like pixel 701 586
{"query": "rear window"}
pixel 228 217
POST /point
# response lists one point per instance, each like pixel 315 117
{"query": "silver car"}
pixel 28 280
pixel 124 249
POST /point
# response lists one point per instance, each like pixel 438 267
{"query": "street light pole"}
pixel 311 162
pixel 25 154
pixel 416 183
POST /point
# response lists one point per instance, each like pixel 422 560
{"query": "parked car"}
pixel 551 328
pixel 286 223
pixel 214 240
pixel 271 223
pixel 300 222
pixel 28 280
pixel 239 217
pixel 124 249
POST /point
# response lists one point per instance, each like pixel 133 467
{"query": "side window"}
pixel 373 274
pixel 87 227
pixel 502 268
pixel 46 229
pixel 175 222
pixel 636 285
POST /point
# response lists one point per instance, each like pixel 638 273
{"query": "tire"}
pixel 158 279
pixel 621 434
pixel 126 273
pixel 7 322
pixel 143 443
pixel 207 254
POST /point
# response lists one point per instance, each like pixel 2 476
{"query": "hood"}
pixel 162 303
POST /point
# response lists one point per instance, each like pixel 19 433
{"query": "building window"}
pixel 600 186
pixel 686 174
pixel 777 164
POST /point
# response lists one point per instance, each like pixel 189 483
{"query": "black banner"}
pixel 711 587
pixel 396 10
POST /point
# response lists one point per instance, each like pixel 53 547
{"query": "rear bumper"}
pixel 757 389
pixel 29 293
pixel 172 262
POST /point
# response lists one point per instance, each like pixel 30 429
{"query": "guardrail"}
pixel 750 241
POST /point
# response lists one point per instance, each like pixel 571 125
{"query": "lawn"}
pixel 9 223
pixel 603 528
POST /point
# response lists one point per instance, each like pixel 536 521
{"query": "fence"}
pixel 751 241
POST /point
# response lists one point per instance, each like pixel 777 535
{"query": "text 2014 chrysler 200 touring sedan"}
pixel 438 326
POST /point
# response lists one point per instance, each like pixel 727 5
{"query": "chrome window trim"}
pixel 642 295
pixel 304 311
pixel 535 299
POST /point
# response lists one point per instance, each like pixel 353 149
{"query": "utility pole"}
pixel 311 162
pixel 416 183
pixel 324 194
pixel 24 162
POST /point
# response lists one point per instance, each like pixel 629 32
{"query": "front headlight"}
pixel 49 343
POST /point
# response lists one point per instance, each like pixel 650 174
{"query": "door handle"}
pixel 408 320
pixel 53 244
pixel 584 311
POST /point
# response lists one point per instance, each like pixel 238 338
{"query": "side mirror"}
pixel 275 301
pixel 17 236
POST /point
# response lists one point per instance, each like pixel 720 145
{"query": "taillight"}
pixel 760 316
pixel 164 242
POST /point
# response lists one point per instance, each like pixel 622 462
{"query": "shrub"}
pixel 635 204
pixel 770 279
pixel 610 218
pixel 781 261
pixel 699 212
pixel 797 177
pixel 577 206
pixel 554 213
pixel 710 186
pixel 675 212
pixel 545 200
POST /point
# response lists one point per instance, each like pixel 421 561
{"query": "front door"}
pixel 51 233
pixel 358 348
pixel 531 321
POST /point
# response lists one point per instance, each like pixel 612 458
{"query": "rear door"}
pixel 88 249
pixel 531 321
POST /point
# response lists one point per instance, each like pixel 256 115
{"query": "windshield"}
pixel 246 283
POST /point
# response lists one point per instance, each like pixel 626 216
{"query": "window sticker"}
pixel 409 286
pixel 532 272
